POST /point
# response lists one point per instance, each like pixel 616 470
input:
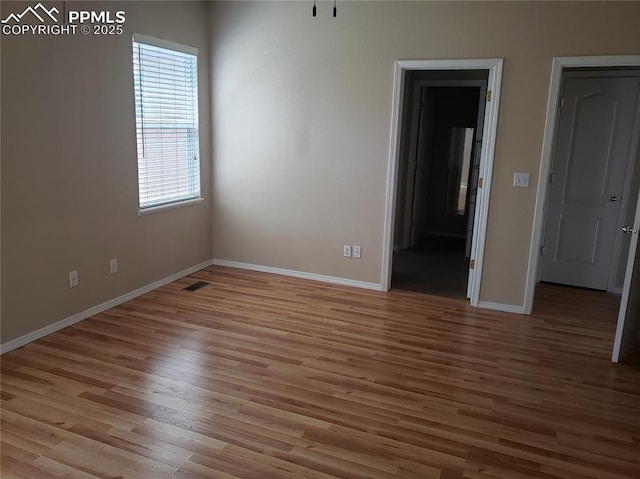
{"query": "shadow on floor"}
pixel 436 266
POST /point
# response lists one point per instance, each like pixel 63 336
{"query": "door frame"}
pixel 494 68
pixel 548 143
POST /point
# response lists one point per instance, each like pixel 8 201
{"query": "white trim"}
pixel 486 166
pixel 507 308
pixel 299 274
pixel 392 176
pixel 169 206
pixel 548 141
pixel 87 313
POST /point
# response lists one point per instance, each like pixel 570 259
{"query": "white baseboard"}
pixel 507 308
pixel 87 313
pixel 300 274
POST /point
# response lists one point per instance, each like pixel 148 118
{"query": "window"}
pixel 166 101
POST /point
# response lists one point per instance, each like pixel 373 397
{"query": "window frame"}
pixel 165 204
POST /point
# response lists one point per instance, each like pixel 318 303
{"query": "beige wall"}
pixel 302 114
pixel 69 174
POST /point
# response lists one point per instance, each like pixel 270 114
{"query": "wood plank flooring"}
pixel 263 376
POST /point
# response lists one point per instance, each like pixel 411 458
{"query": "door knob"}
pixel 613 198
pixel 629 229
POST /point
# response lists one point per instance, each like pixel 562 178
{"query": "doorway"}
pixel 592 185
pixel 625 249
pixel 434 71
pixel 438 176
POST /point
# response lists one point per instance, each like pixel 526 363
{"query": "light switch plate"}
pixel 521 179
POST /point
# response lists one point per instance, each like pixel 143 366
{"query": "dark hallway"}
pixel 438 181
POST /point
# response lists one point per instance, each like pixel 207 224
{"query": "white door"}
pixel 629 315
pixel 594 136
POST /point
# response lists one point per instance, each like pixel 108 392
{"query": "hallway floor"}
pixel 436 266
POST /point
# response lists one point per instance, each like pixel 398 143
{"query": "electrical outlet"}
pixel 357 251
pixel 347 251
pixel 113 265
pixel 73 279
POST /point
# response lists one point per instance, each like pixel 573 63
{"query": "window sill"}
pixel 168 206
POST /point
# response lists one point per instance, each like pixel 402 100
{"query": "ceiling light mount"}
pixel 314 11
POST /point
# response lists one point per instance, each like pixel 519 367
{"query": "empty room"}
pixel 320 239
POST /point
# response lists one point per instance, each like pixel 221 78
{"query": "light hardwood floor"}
pixel 262 376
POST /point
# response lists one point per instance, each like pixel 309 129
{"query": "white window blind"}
pixel 166 102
